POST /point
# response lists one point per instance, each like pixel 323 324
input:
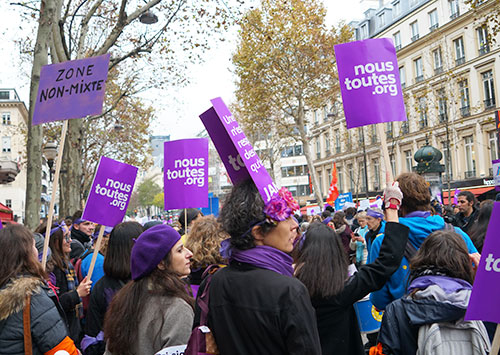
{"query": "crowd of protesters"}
pixel 283 283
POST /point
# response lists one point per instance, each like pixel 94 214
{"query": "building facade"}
pixel 449 68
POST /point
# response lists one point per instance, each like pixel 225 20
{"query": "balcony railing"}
pixel 419 78
pixel 465 111
pixel 438 70
pixel 470 174
pixel 489 103
pixel 485 48
pixel 398 47
pixel 455 15
pixel 460 61
pixel 443 117
pixel 337 149
pixel 434 27
pixel 318 155
pixel 414 38
pixel 423 122
pixel 405 128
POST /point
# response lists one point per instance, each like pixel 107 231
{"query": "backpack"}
pixel 77 265
pixel 460 337
pixel 202 341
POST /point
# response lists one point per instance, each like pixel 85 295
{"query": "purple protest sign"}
pixel 369 82
pixel 483 304
pixel 186 173
pixel 110 193
pixel 73 89
pixel 235 150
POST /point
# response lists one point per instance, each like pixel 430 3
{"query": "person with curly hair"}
pixel 204 242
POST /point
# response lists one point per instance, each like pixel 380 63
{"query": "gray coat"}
pixel 47 327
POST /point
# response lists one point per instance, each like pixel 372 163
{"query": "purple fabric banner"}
pixel 72 89
pixel 186 173
pixel 110 193
pixel 483 304
pixel 369 82
pixel 235 150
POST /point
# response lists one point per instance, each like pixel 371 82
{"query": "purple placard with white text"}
pixel 483 304
pixel 72 89
pixel 186 173
pixel 236 152
pixel 369 82
pixel 110 193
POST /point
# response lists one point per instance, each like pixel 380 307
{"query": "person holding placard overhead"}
pixel 256 305
pixel 153 310
pixel 30 314
pixel 322 266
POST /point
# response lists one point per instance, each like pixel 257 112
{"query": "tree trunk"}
pixel 307 152
pixel 71 174
pixel 34 145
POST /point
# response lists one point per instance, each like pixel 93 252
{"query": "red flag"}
pixel 333 191
pixel 310 183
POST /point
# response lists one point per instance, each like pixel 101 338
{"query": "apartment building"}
pixel 449 66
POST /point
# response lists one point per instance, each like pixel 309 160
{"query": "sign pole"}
pixel 185 220
pixel 55 185
pixel 96 251
pixel 388 169
pixel 495 345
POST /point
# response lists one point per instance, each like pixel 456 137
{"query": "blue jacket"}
pixel 420 228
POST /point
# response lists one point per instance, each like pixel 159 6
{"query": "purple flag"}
pixel 186 173
pixel 235 150
pixel 483 304
pixel 72 89
pixel 369 82
pixel 110 193
pixel 455 196
pixel 1 225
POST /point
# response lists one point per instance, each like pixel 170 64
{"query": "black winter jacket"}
pixel 258 311
pixel 337 323
pixel 47 326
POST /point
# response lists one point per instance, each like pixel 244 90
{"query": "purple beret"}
pixel 151 248
pixel 327 220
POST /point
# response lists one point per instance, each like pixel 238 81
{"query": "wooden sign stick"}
pixel 55 185
pixel 495 345
pixel 385 152
pixel 97 247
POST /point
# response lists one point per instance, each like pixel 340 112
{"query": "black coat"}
pixel 257 311
pixel 337 323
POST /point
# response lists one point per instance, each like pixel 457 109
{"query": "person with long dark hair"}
pixel 440 284
pixel 477 232
pixel 116 275
pixel 62 275
pixel 322 267
pixel 153 310
pixel 256 306
pixel 23 289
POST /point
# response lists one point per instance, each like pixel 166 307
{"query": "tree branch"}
pixel 84 27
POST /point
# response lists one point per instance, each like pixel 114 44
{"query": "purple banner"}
pixel 369 82
pixel 483 304
pixel 110 193
pixel 235 150
pixel 186 173
pixel 73 89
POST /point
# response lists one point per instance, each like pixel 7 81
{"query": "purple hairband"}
pixel 58 226
pixel 374 214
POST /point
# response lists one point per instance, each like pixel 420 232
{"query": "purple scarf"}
pixel 265 257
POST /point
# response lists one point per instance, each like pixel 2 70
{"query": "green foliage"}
pixel 158 200
pixel 146 193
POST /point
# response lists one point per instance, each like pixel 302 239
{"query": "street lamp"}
pixel 148 18
pixel 429 166
pixel 50 153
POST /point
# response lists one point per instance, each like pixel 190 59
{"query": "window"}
pixel 414 31
pixel 438 61
pixel 489 89
pixel 493 140
pixel 397 40
pixel 364 31
pixel 337 141
pixel 381 20
pixel 433 20
pixel 298 150
pixel 422 108
pixel 325 113
pixel 316 117
pixel 470 162
pixel 340 179
pixel 299 170
pixel 459 51
pixel 419 70
pixel 8 203
pixel 402 76
pixel 405 127
pixel 329 174
pixel 454 9
pixel 361 169
pixel 327 143
pixel 389 131
pixel 374 133
pixel 4 95
pixel 482 38
pixel 318 148
pixel 320 183
pixel 447 160
pixel 6 118
pixel 463 89
pixel 442 106
pixel 292 151
pixel 5 144
pixel 376 174
pixel 396 8
pixel 349 140
pixel 350 171
pixel 392 159
pixel 413 2
pixel 409 161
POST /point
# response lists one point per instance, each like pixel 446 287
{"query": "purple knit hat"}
pixel 150 249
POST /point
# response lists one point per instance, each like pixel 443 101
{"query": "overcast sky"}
pixel 178 110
